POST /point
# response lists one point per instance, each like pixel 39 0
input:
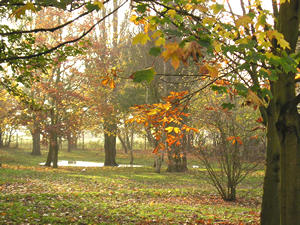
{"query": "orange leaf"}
pixel 239 140
pixel 112 84
pixel 259 120
pixel 175 61
pixel 105 81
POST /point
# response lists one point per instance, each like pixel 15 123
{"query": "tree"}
pixel 230 143
pixel 259 58
pixel 20 52
pixel 9 110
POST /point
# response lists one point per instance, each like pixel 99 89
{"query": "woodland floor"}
pixel 32 194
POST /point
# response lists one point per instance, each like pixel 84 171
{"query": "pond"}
pixel 86 164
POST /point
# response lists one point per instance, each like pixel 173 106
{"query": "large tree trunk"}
pixel 270 213
pixel 290 168
pixel 281 199
pixel 288 128
pixel 281 205
pixel 110 143
pixel 36 140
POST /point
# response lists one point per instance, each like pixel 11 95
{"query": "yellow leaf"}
pixel 209 21
pixel 279 37
pixel 160 41
pixel 146 27
pixel 217 46
pixel 140 38
pixel 169 129
pixel 153 112
pixel 171 48
pixel 243 21
pixel 175 61
pixel 297 76
pixel 283 44
pixel 151 203
pixel 171 13
pixel 252 97
pixel 176 130
pixel 21 11
pixel 133 18
pixel 212 70
pixel 99 4
pixel 156 34
pixel 188 7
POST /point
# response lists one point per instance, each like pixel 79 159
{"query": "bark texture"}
pixel 110 143
pixel 281 199
pixel 36 139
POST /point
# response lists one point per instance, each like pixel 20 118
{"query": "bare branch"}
pixel 63 43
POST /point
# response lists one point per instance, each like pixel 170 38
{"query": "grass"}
pixel 32 194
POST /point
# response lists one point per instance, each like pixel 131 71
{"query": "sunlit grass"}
pixel 34 194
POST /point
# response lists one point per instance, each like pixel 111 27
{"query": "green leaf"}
pixel 217 8
pixel 241 89
pixel 266 92
pixel 219 89
pixel 21 10
pixel 228 105
pixel 142 8
pixel 143 75
pixel 91 7
pixel 155 51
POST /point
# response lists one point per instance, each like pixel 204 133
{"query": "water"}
pixel 86 164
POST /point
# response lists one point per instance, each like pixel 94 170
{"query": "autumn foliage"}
pixel 166 119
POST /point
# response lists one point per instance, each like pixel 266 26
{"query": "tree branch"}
pixel 45 29
pixel 2 60
pixel 49 29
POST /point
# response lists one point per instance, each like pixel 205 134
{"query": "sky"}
pixel 236 5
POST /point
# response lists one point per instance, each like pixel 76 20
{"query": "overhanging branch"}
pixel 2 60
pixel 48 29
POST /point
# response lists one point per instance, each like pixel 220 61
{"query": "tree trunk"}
pixel 281 205
pixel 281 198
pixel 1 139
pixel 53 150
pixel 177 161
pixel 158 162
pixel 270 212
pixel 53 143
pixel 82 140
pixel 71 142
pixel 49 156
pixel 110 143
pixel 290 170
pixel 36 142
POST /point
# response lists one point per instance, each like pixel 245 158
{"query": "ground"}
pixel 32 194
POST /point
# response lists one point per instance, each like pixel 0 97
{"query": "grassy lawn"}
pixel 32 194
